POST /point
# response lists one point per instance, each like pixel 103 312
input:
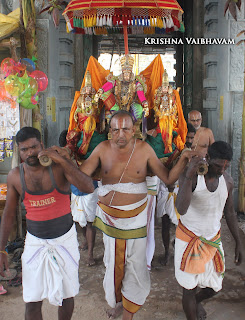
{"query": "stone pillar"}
pixel 210 61
pixel 188 58
pixel 197 87
pixel 233 108
pixel 223 80
pixel 56 59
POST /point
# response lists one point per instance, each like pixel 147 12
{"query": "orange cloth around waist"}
pixel 118 213
pixel 199 251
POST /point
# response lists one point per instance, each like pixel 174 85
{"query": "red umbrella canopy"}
pixel 104 17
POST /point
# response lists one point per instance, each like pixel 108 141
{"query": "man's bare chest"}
pixel 118 166
pixel 201 140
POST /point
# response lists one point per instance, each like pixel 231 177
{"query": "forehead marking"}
pixel 120 122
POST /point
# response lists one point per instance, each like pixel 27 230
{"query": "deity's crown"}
pixel 165 81
pixel 127 62
pixel 88 81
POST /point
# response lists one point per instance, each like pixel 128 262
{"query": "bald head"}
pixel 195 118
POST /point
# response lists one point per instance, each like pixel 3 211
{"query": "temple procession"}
pixel 122 159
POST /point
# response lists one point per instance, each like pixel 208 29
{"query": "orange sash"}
pixel 199 251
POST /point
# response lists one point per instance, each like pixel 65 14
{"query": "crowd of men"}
pixel 51 256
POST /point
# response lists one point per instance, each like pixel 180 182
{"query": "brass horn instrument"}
pixel 45 161
pixel 203 168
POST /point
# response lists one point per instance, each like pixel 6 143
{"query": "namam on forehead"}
pixel 121 121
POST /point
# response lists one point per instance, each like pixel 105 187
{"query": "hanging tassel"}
pixel 109 21
pixel 97 20
pixel 90 22
pixel 171 22
pixel 94 20
pixel 164 23
pixel 100 21
pixel 104 22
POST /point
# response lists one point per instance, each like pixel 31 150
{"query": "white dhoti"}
pixel 208 279
pixel 166 203
pixel 83 208
pixel 50 268
pixel 152 187
pixel 127 278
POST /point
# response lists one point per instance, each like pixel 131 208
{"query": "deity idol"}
pixel 84 138
pixel 126 92
pixel 169 116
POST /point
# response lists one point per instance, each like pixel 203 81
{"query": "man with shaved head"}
pixel 122 211
pixel 204 136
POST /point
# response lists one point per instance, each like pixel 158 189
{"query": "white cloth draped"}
pixel 50 268
pixel 129 187
pixel 136 281
pixel 83 208
pixel 165 203
pixel 209 279
pixel 152 186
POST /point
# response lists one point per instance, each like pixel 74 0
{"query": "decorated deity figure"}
pixel 83 139
pixel 169 116
pixel 126 92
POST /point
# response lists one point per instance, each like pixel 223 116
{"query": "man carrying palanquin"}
pixel 199 255
pixel 50 259
pixel 122 211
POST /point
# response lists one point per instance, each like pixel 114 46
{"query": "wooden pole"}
pixel 125 33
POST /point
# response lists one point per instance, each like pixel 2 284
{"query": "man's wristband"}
pixel 4 252
pixel 187 178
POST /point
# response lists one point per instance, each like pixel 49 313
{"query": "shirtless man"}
pixel 51 257
pixel 122 211
pixel 199 255
pixel 204 136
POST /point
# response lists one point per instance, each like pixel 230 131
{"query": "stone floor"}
pixel 164 301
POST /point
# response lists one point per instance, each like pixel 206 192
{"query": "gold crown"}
pixel 127 62
pixel 88 81
pixel 165 81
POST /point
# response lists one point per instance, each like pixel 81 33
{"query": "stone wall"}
pixel 223 79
